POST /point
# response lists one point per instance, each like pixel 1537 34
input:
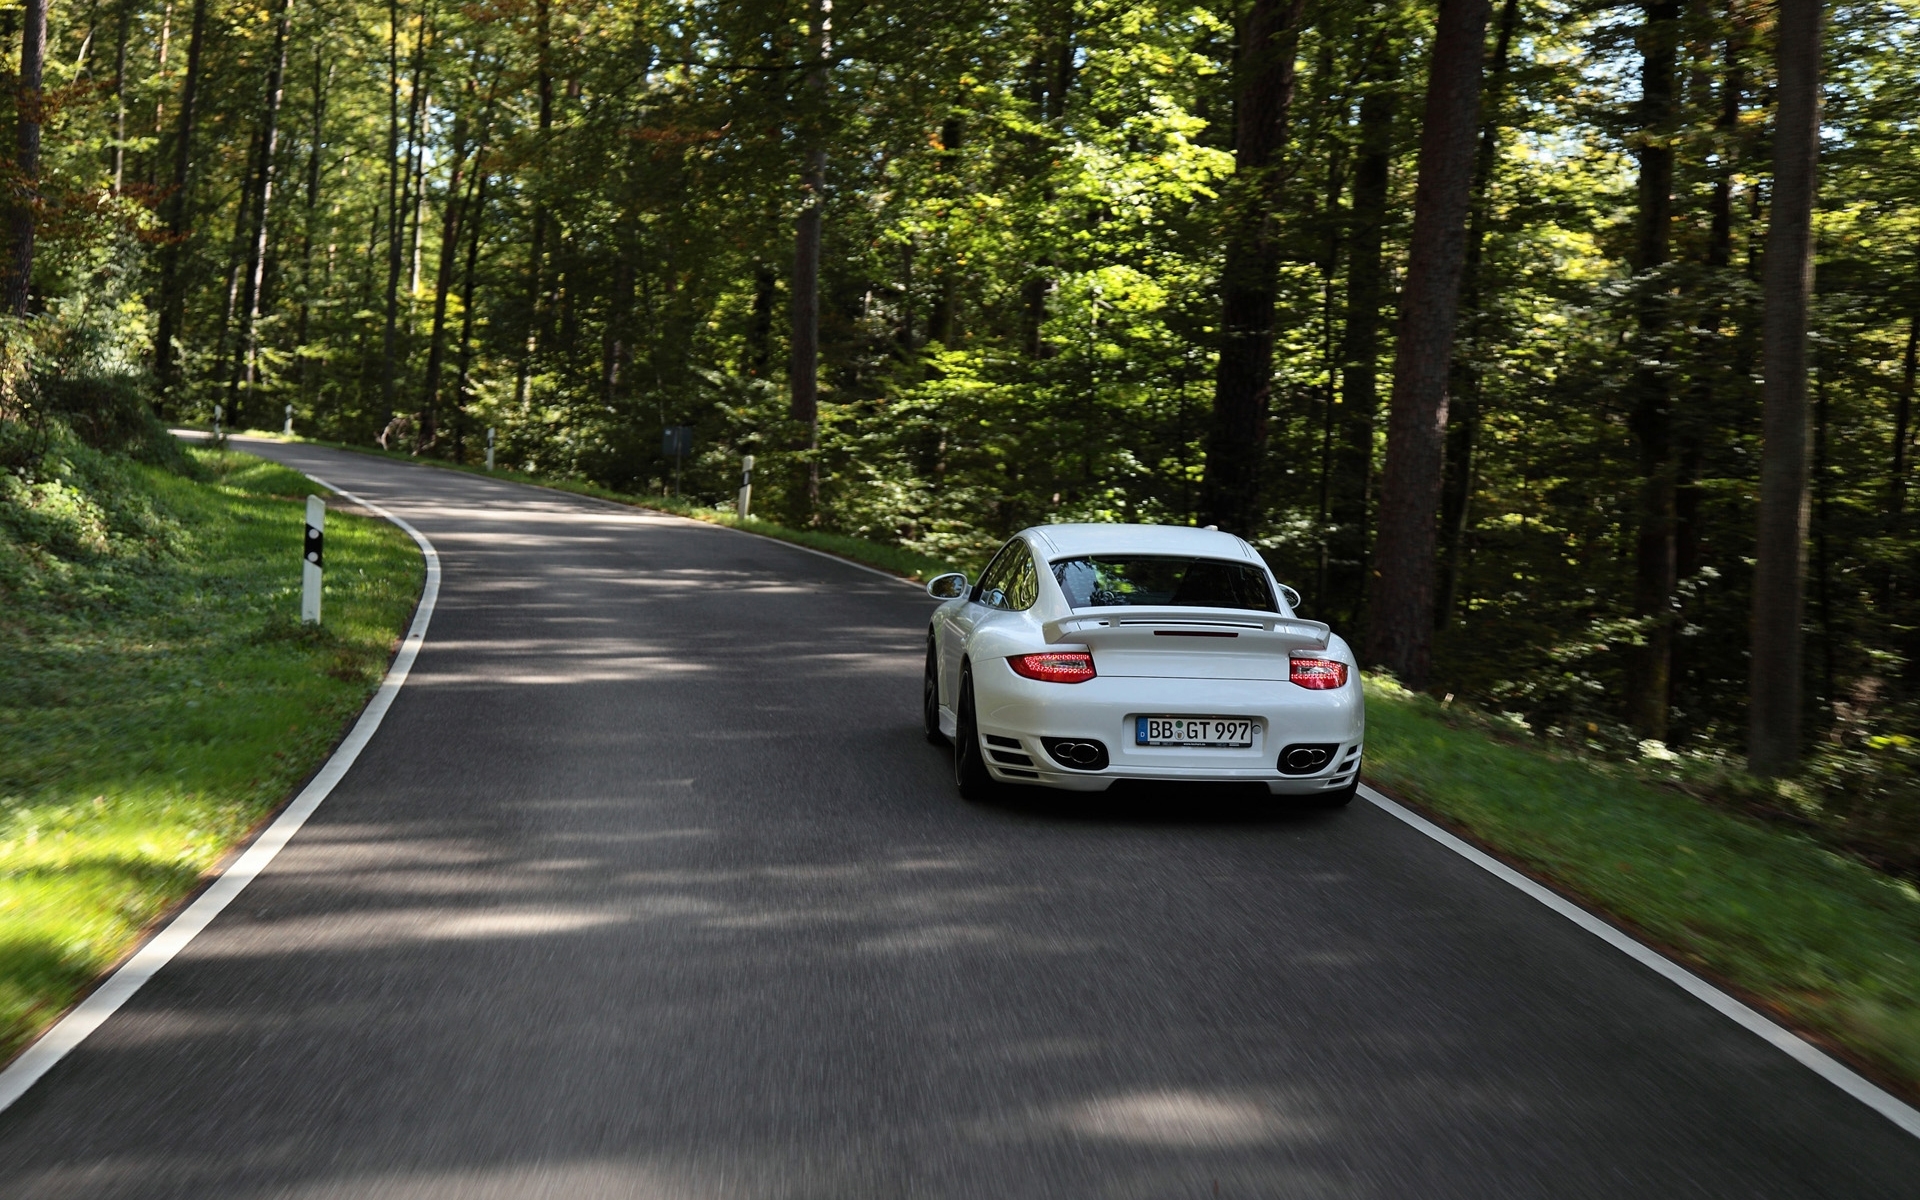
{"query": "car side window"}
pixel 1011 581
pixel 1023 584
pixel 993 578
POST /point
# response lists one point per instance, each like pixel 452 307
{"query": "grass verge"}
pixel 162 699
pixel 1821 939
pixel 897 561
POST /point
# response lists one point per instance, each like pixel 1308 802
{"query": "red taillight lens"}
pixel 1319 674
pixel 1065 666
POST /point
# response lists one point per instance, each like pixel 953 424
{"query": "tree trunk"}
pixel 1464 392
pixel 389 384
pixel 1400 605
pixel 1243 378
pixel 119 163
pixel 26 205
pixel 241 384
pixel 159 101
pixel 804 376
pixel 443 284
pixel 463 390
pixel 1360 347
pixel 1650 665
pixel 536 253
pixel 1780 547
pixel 308 363
pixel 172 303
pixel 1903 428
pixel 760 332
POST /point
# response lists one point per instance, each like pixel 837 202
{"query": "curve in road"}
pixel 648 886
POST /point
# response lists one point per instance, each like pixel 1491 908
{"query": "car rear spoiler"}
pixel 1270 629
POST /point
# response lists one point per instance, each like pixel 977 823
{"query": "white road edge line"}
pixel 72 1029
pixel 1785 1040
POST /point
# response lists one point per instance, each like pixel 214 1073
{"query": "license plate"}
pixel 1194 731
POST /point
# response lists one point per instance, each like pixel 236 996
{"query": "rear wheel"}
pixel 969 765
pixel 930 696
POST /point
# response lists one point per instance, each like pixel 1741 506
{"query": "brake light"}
pixel 1059 666
pixel 1318 674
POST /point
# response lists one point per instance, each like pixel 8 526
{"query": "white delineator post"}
pixel 289 429
pixel 745 503
pixel 219 414
pixel 311 561
pixel 489 447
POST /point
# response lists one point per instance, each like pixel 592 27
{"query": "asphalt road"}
pixel 649 887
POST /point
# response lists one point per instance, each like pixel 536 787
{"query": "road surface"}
pixel 649 887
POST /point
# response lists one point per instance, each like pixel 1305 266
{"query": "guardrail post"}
pixel 312 559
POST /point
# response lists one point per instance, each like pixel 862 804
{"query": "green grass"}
pixel 161 697
pixel 1818 937
pixel 893 559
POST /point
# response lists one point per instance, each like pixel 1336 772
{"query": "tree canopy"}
pixel 1030 224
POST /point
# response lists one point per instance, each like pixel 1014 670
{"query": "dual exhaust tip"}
pixel 1080 754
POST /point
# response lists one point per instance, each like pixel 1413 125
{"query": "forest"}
pixel 1561 354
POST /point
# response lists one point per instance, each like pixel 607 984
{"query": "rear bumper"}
pixel 1009 708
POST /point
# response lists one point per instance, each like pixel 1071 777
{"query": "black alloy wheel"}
pixel 930 696
pixel 969 765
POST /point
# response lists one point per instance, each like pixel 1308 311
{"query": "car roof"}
pixel 1066 541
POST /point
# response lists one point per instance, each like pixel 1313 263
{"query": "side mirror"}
pixel 1293 597
pixel 950 586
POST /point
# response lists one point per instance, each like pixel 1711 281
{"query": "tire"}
pixel 970 772
pixel 930 696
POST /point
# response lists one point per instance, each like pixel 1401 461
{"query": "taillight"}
pixel 1062 666
pixel 1319 674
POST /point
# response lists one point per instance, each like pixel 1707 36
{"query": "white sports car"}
pixel 1088 654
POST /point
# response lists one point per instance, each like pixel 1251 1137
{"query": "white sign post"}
pixel 745 503
pixel 489 447
pixel 311 561
pixel 289 429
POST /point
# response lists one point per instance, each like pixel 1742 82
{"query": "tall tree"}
pixel 1243 380
pixel 804 376
pixel 240 384
pixel 172 302
pixel 1649 679
pixel 26 202
pixel 537 251
pixel 118 160
pixel 1776 688
pixel 1353 472
pixel 1400 604
pixel 1464 386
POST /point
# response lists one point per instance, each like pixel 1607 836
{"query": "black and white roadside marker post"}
pixel 311 561
pixel 219 415
pixel 489 447
pixel 745 503
pixel 288 431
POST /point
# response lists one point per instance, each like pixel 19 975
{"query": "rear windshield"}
pixel 1103 581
